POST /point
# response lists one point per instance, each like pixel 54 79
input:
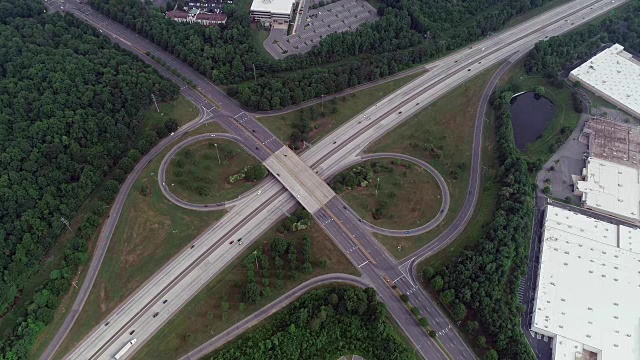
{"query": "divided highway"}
pixel 146 310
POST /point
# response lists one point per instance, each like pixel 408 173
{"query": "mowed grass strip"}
pixel 202 317
pixel 182 111
pixel 485 206
pixel 337 111
pixel 196 176
pixel 403 196
pixel 150 231
pixel 442 135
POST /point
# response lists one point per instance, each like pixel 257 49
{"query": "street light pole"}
pixel 255 255
pixel 217 153
pixel 322 103
pixel 377 184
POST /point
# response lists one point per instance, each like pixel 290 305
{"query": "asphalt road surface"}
pixel 272 308
pixel 324 157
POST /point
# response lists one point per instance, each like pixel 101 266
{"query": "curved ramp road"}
pixel 182 278
pixel 187 205
pixel 270 309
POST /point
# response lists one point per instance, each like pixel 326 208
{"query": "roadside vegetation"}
pixel 442 135
pixel 479 286
pixel 312 123
pixel 149 232
pixel 57 152
pixel 390 193
pixel 291 253
pixel 333 322
pixel 212 171
pixel 409 32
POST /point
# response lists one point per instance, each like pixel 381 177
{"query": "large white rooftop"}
pixel 588 287
pixel 611 188
pixel 613 72
pixel 273 6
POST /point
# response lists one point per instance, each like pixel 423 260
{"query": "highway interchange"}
pixel 181 278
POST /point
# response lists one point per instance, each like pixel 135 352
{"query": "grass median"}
pixel 221 304
pixel 207 171
pixel 390 193
pixel 336 111
pixel 442 135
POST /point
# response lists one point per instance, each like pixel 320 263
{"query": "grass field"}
pixel 201 319
pixel 183 111
pixel 446 128
pixel 485 206
pixel 346 107
pixel 259 36
pixel 412 194
pixel 194 175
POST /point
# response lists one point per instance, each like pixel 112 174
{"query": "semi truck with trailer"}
pixel 124 350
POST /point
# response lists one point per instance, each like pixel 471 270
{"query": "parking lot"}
pixel 567 161
pixel 344 15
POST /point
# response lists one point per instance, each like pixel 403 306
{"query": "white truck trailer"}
pixel 124 350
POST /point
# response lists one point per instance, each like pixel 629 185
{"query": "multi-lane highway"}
pixel 145 311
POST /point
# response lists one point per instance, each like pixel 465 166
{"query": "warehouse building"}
pixel 610 188
pixel 276 13
pixel 588 287
pixel 614 75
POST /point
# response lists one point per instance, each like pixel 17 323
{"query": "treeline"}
pixel 71 108
pixel 484 278
pixel 326 323
pixel 548 58
pixel 400 39
pixel 459 22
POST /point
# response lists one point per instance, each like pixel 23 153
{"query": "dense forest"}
pixel 409 32
pixel 548 58
pixel 484 278
pixel 71 107
pixel 323 324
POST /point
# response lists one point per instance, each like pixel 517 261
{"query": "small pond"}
pixel 530 115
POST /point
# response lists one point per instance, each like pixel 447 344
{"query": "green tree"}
pixel 424 322
pixel 448 296
pixel 250 293
pixel 491 355
pixel 437 283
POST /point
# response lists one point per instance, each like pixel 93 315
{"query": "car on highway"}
pixel 231 242
pixel 239 242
